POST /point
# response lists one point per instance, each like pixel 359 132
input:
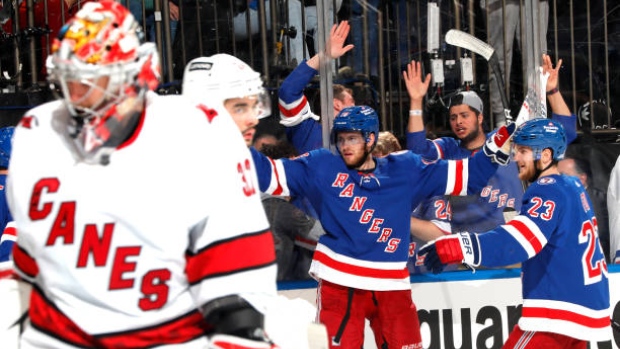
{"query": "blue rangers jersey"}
pixel 7 230
pixel 438 211
pixel 564 274
pixel 365 215
pixel 480 212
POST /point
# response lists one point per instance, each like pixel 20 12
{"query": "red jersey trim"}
pixel 24 262
pixel 458 177
pixel 556 314
pixel 136 132
pixel 276 174
pixel 242 253
pixel 530 237
pixel 294 111
pixel 46 318
pixel 359 271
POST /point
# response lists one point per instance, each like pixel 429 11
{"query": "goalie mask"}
pixel 100 69
pixel 215 79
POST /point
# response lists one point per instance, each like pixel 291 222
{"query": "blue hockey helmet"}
pixel 358 118
pixel 540 134
pixel 6 135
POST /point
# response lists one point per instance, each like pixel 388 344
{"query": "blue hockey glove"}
pixel 451 249
pixel 497 147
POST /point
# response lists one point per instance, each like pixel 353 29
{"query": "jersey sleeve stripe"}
pixel 527 234
pixel 9 233
pixel 6 273
pixel 293 109
pixel 231 256
pixel 276 175
pixel 24 262
pixel 440 153
pixel 49 319
pixel 559 314
pixel 457 177
pixel 277 185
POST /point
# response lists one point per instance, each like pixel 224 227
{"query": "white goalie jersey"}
pixel 121 255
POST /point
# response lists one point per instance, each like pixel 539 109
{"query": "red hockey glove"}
pixel 497 147
pixel 451 249
pixel 224 341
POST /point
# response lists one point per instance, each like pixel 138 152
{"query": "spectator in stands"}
pixel 504 191
pixel 386 143
pixel 613 205
pixel 48 18
pixel 295 233
pixel 144 12
pixel 580 168
pixel 204 30
pixel 365 14
pixel 303 128
pixel 299 49
pixel 504 21
pixel 311 29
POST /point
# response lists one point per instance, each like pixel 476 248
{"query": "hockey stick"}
pixel 462 39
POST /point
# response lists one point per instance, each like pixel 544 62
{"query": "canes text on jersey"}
pixel 153 284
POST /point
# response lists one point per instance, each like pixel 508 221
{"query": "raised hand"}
pixel 547 66
pixel 337 37
pixel 416 88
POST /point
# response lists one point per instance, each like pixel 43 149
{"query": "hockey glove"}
pixel 451 249
pixel 224 341
pixel 497 147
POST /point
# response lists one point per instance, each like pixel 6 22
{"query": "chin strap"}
pixel 539 172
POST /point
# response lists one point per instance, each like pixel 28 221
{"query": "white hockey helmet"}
pixel 220 77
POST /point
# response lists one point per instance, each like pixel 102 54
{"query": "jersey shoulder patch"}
pixel 546 180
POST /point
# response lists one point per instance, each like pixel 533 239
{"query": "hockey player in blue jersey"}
pixel 13 305
pixel 484 210
pixel 7 230
pixel 303 126
pixel 364 204
pixel 555 237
